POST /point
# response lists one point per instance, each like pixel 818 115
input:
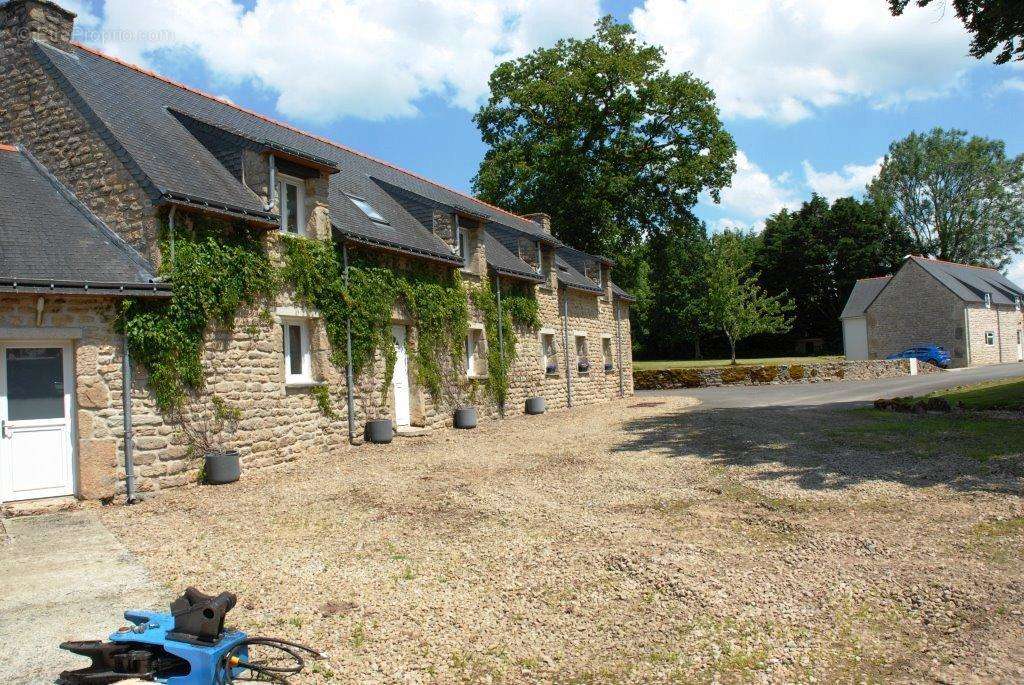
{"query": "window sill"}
pixel 553 375
pixel 300 385
pixel 478 377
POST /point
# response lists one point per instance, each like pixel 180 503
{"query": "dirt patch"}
pixel 661 544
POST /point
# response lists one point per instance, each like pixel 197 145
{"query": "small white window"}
pixel 291 194
pixel 606 350
pixel 988 300
pixel 476 363
pixel 464 247
pixel 548 353
pixel 540 259
pixel 582 358
pixel 298 366
pixel 1016 302
pixel 990 338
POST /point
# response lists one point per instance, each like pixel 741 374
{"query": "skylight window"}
pixel 368 210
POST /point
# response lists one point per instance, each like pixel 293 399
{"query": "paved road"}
pixel 841 392
pixel 62 576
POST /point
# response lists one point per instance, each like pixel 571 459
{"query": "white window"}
pixel 298 367
pixel 476 363
pixel 291 195
pixel 464 247
pixel 582 359
pixel 1016 302
pixel 548 353
pixel 990 338
pixel 540 259
pixel 606 350
pixel 988 300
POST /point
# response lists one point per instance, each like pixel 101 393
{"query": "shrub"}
pixel 735 374
pixel 796 372
pixel 764 374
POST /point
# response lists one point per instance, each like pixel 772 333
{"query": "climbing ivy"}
pixel 218 268
pixel 436 302
pixel 519 307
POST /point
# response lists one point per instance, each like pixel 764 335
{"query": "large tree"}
pixel 734 303
pixel 676 299
pixel 818 252
pixel 597 133
pixel 961 198
pixel 995 24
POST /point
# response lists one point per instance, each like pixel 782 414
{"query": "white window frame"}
pixel 988 300
pixel 463 237
pixel 586 346
pixel 540 258
pixel 610 357
pixel 990 338
pixel 476 348
pixel 306 376
pixel 283 181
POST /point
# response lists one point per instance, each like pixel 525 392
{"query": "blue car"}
pixel 932 354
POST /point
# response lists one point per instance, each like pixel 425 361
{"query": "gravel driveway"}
pixel 619 543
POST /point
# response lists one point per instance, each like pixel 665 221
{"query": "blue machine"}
pixel 187 646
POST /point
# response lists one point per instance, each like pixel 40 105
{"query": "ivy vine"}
pixel 519 307
pixel 218 268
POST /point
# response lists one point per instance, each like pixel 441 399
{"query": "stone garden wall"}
pixel 669 379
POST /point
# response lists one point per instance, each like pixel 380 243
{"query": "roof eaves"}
pixel 264 218
pixel 396 247
pixel 43 286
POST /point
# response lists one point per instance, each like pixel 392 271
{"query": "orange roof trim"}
pixel 282 124
pixel 8 148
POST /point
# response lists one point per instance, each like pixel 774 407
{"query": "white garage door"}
pixel 855 338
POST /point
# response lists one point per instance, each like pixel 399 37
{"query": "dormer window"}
pixel 988 300
pixel 1016 302
pixel 463 237
pixel 369 210
pixel 291 193
pixel 540 259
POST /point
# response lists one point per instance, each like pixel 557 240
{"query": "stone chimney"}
pixel 24 20
pixel 541 219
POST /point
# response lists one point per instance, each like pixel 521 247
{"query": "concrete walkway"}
pixel 62 576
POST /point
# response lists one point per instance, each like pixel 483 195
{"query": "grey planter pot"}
pixel 465 417
pixel 583 366
pixel 608 367
pixel 535 405
pixel 381 431
pixel 222 467
pixel 552 368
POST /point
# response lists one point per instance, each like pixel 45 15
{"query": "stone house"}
pixel 104 163
pixel 974 312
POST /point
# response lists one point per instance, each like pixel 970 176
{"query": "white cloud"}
pixel 325 59
pixel 784 59
pixel 836 184
pixel 1010 84
pixel 1016 270
pixel 756 194
pixel 85 17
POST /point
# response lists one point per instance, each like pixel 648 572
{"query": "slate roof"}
pixel 50 242
pixel 571 278
pixel 501 259
pixel 970 283
pixel 864 293
pixel 146 117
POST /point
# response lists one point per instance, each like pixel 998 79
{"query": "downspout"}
pixel 618 342
pixel 126 408
pixel 501 339
pixel 170 229
pixel 967 333
pixel 348 353
pixel 565 344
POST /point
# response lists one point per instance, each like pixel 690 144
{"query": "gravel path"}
pixel 618 543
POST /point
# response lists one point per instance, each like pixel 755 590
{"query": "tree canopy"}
pixel 995 25
pixel 598 134
pixel 818 252
pixel 960 198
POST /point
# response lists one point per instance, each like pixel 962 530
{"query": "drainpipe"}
pixel 170 228
pixel 565 343
pixel 967 334
pixel 126 408
pixel 348 352
pixel 501 338
pixel 999 333
pixel 618 344
pixel 273 182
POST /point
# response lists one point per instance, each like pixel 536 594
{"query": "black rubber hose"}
pixel 271 673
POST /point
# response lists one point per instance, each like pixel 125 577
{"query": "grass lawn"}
pixel 708 363
pixel 1002 394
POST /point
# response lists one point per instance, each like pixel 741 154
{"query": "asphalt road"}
pixel 839 392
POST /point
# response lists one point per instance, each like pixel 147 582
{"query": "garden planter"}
pixel 222 467
pixel 552 368
pixel 380 431
pixel 583 366
pixel 465 417
pixel 608 366
pixel 535 405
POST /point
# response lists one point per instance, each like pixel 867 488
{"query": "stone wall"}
pixel 669 379
pixel 915 309
pixel 1003 322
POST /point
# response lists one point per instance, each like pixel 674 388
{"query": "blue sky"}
pixel 813 90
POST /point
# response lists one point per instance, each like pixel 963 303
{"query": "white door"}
pixel 400 382
pixel 36 390
pixel 855 338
